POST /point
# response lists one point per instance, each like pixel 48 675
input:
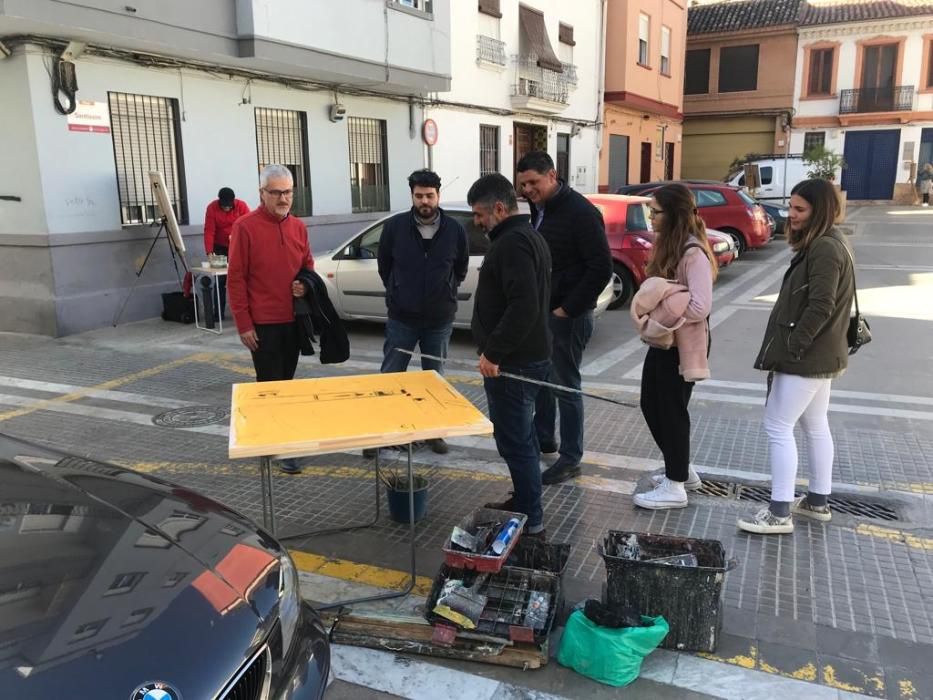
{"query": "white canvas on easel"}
pixel 168 214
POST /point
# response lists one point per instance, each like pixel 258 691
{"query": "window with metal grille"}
pixel 488 149
pixel 282 138
pixel 813 139
pixel 563 157
pixel 369 164
pixel 738 68
pixel 696 72
pixel 821 72
pixel 146 136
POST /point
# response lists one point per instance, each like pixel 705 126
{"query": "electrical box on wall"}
pixel 337 112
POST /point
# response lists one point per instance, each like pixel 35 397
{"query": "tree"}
pixel 823 163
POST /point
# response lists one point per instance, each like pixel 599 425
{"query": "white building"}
pixel 864 89
pixel 206 92
pixel 525 76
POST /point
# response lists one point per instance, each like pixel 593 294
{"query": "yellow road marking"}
pixel 109 384
pixel 358 573
pixel 907 690
pixel 743 660
pixel 901 536
pixel 335 470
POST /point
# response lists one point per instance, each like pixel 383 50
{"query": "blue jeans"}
pixel 511 410
pixel 569 337
pixel 430 341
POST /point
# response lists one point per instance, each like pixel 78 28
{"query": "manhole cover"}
pixel 762 494
pixel 192 416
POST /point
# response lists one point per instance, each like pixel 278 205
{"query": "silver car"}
pixel 355 288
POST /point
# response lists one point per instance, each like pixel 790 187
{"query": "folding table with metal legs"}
pixel 306 417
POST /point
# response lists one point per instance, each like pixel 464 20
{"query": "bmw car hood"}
pixel 110 579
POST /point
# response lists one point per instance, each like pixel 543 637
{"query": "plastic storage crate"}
pixel 508 593
pixel 489 563
pixel 689 598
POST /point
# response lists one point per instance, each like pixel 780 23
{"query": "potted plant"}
pixel 395 480
pixel 823 163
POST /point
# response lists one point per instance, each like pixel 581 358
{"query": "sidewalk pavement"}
pixel 831 611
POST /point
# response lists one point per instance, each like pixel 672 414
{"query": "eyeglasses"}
pixel 279 193
pixel 652 212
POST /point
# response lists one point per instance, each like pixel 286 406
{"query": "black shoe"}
pixel 548 448
pixel 539 536
pixel 290 466
pixel 438 446
pixel 560 472
pixel 508 504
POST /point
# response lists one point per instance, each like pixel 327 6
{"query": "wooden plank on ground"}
pixel 413 635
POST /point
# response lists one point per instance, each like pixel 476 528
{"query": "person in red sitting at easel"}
pixel 218 223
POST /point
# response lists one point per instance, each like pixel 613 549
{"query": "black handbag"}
pixel 859 332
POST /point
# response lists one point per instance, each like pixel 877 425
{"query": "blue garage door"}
pixel 872 160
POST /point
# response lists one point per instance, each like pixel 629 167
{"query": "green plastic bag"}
pixel 610 656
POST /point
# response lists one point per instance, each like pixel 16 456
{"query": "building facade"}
pixel 642 115
pixel 207 94
pixel 864 90
pixel 738 83
pixel 525 76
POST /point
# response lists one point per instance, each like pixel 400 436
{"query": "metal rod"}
pixel 529 380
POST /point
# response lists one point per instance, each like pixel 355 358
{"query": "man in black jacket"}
pixel 423 256
pixel 511 331
pixel 582 266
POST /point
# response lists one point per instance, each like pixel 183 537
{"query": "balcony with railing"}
pixel 490 52
pixel 898 98
pixel 538 88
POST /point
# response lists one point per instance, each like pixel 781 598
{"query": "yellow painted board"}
pixel 306 417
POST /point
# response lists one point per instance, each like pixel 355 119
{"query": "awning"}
pixel 532 24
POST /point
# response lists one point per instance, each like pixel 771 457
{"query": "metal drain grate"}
pixel 192 416
pixel 762 494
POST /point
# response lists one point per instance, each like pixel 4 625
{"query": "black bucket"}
pixel 689 597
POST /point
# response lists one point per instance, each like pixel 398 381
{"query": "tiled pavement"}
pixel 848 605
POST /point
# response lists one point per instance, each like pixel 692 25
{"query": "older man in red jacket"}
pixel 268 247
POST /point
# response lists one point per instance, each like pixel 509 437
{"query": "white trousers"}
pixel 806 400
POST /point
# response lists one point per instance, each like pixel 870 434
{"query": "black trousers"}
pixel 222 281
pixel 277 356
pixel 664 399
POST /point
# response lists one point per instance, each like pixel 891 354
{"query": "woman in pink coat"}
pixel 681 255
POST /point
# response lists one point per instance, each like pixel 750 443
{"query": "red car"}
pixel 631 239
pixel 722 207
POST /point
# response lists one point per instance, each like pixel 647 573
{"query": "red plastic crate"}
pixel 491 563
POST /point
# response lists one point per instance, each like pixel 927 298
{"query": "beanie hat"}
pixel 226 197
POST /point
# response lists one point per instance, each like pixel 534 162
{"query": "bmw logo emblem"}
pixel 155 690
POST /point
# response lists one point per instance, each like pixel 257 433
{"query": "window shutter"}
pixel 565 34
pixel 490 7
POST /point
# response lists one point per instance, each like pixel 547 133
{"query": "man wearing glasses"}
pixel 268 247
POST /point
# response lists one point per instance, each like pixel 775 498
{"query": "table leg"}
pixel 411 539
pixel 268 495
pixel 220 316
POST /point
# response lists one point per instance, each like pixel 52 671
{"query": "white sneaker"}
pixel 693 482
pixel 667 494
pixel 767 523
pixel 802 507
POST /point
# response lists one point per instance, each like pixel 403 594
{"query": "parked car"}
pixel 778 177
pixel 778 214
pixel 355 288
pixel 116 584
pixel 631 239
pixel 722 207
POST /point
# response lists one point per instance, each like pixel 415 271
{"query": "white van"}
pixel 775 185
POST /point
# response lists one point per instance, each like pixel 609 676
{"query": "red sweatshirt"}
pixel 265 256
pixel 218 223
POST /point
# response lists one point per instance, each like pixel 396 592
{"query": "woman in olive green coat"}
pixel 804 349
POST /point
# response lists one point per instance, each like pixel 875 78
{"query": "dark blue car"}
pixel 115 584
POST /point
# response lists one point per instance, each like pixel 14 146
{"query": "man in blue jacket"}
pixel 423 256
